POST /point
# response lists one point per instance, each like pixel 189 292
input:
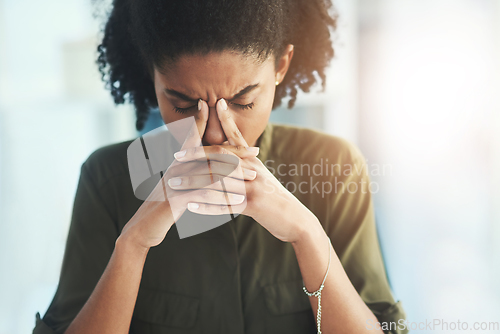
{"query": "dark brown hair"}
pixel 140 34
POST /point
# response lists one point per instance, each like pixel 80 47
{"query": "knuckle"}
pixel 205 194
pixel 236 133
pixel 217 150
pixel 221 150
pixel 209 208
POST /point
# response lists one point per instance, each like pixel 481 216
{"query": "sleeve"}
pixel 351 228
pixel 89 246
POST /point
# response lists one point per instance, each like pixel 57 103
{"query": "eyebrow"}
pixel 184 97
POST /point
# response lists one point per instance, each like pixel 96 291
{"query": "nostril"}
pixel 213 138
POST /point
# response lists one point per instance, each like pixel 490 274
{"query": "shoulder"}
pixel 297 143
pixel 107 162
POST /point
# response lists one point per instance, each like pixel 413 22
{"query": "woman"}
pixel 226 64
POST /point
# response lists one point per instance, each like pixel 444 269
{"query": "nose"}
pixel 214 134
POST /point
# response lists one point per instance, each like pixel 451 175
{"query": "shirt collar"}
pixel 264 142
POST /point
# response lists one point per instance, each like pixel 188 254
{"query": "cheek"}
pixel 253 122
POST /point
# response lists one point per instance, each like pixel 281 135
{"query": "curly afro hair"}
pixel 142 34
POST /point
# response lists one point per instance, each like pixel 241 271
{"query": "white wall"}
pixel 430 108
pixel 53 113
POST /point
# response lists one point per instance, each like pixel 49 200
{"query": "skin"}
pixel 221 75
pixel 226 131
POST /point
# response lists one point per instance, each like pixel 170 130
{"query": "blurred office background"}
pixel 415 84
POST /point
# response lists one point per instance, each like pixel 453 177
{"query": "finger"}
pixel 215 167
pixel 184 168
pixel 194 182
pixel 211 196
pixel 216 152
pixel 232 132
pixel 222 169
pixel 197 130
pixel 211 209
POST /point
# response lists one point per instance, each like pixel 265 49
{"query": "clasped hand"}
pixel 221 179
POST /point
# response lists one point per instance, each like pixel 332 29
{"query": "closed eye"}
pixel 186 110
pixel 244 106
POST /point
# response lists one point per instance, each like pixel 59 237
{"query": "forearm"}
pixel 109 308
pixel 342 309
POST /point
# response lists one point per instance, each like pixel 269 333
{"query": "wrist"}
pixel 304 223
pixel 308 229
pixel 128 244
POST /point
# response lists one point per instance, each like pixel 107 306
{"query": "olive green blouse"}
pixel 236 278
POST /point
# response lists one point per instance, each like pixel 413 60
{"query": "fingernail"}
pixel 223 104
pixel 253 149
pixel 176 181
pixel 199 104
pixel 237 198
pixel 250 173
pixel 180 154
pixel 193 206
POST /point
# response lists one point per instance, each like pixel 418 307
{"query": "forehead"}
pixel 215 74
